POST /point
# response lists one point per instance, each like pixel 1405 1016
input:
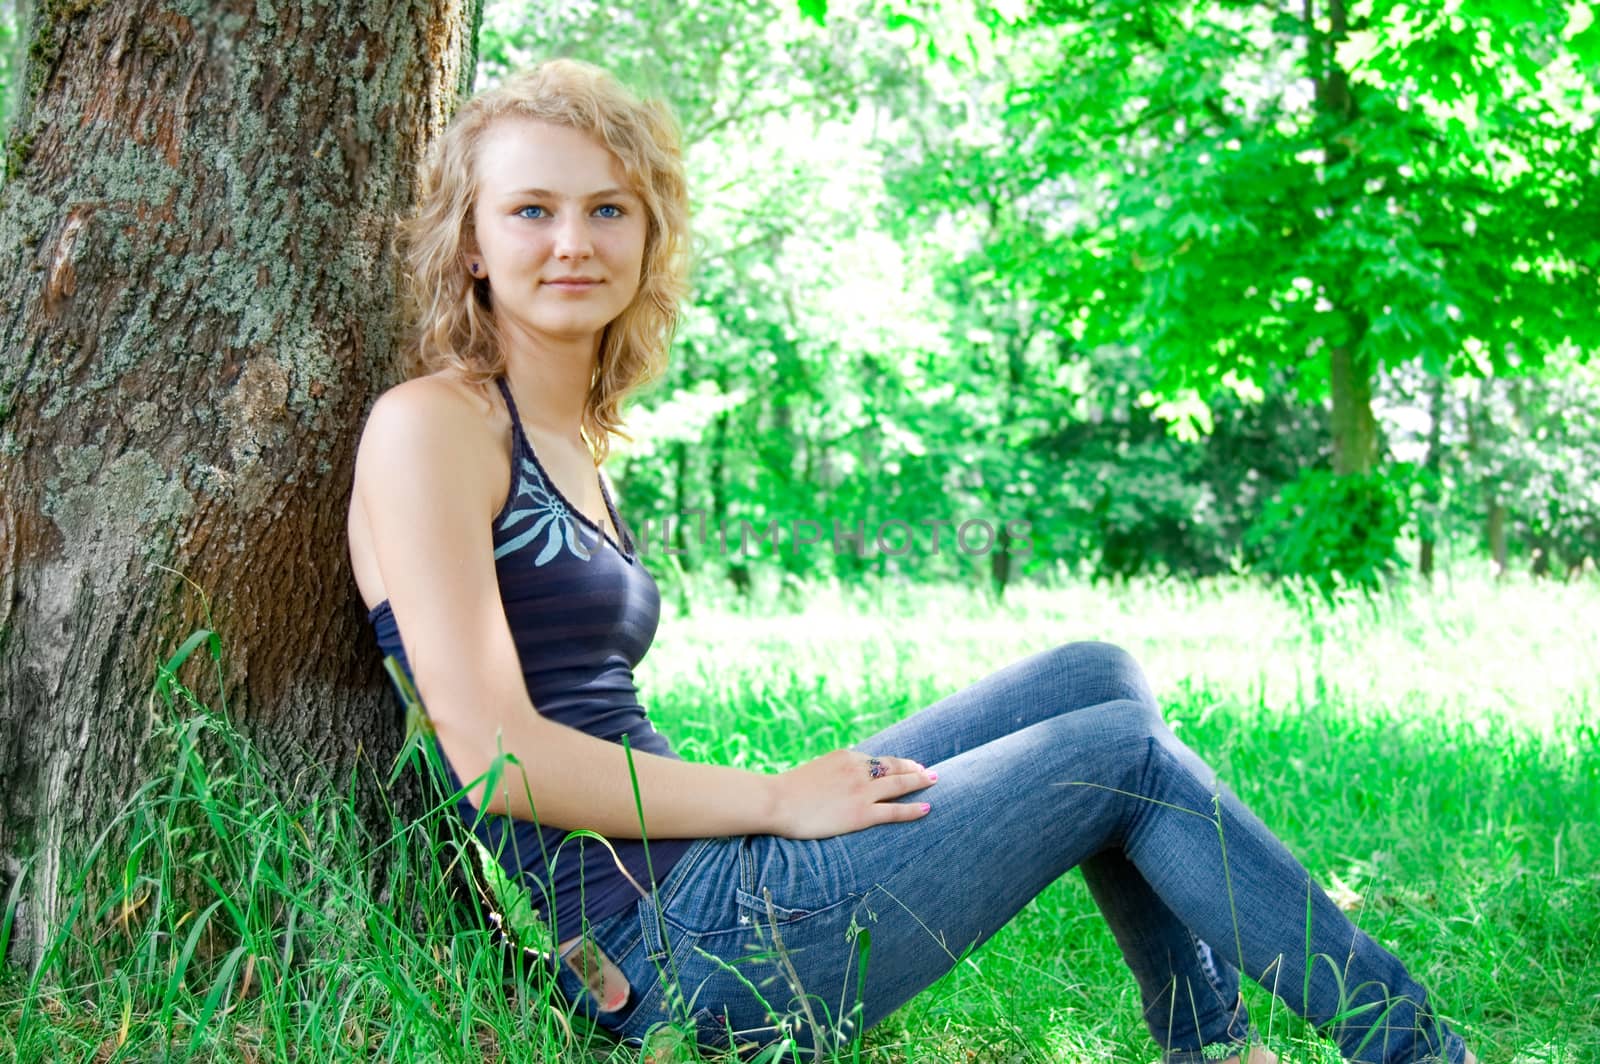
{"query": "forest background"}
pixel 1184 289
pixel 1112 319
pixel 1189 289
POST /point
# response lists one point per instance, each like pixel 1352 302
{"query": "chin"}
pixel 573 328
pixel 572 322
pixel 576 328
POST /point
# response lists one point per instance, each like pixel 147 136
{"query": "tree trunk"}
pixel 199 307
pixel 1355 430
pixel 1000 564
pixel 1433 464
pixel 719 453
pixel 1497 537
pixel 1018 336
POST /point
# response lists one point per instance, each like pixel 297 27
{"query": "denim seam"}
pixel 653 907
pixel 786 916
pixel 1206 956
pixel 748 894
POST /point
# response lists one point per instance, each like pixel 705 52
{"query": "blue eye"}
pixel 610 210
pixel 524 212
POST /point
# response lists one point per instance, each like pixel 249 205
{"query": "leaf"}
pixel 167 674
pixel 815 10
pixel 221 984
pixel 1585 38
pixel 522 918
pixel 418 727
pixel 1189 224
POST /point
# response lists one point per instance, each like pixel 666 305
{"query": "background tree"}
pixel 1261 202
pixel 1251 199
pixel 199 306
pixel 1339 189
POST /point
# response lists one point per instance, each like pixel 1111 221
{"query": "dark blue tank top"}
pixel 582 611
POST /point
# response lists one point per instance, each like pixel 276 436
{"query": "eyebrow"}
pixel 544 193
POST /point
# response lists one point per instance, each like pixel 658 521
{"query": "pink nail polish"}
pixel 933 777
pixel 926 807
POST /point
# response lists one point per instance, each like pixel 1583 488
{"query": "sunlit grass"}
pixel 1472 649
pixel 1434 757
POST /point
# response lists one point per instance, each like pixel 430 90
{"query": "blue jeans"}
pixel 1059 761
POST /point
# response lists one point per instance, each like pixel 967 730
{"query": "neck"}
pixel 550 377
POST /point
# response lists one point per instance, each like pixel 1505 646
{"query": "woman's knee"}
pixel 1107 746
pixel 1102 672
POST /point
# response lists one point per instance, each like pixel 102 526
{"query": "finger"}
pixel 891 787
pixel 879 767
pixel 900 812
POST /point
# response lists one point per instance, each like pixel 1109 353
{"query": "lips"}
pixel 575 284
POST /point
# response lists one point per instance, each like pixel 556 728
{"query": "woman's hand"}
pixel 846 791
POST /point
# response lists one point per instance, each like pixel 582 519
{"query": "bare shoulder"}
pixel 431 471
pixel 429 408
pixel 436 430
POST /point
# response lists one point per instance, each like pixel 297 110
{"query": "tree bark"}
pixel 1355 429
pixel 199 307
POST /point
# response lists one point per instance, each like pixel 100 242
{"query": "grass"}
pixel 1432 757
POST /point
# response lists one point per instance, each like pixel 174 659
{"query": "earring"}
pixel 474 269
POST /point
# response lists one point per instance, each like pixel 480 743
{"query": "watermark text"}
pixel 895 537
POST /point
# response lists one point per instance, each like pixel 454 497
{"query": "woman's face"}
pixel 560 236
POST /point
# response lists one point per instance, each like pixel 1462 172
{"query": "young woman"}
pixel 546 262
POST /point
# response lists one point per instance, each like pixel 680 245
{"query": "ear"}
pixel 471 256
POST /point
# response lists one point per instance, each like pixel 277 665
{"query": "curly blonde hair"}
pixel 452 315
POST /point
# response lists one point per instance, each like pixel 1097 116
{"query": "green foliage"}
pixel 1234 193
pixel 1334 531
pixel 167 674
pixel 1525 446
pixel 1085 268
pixel 230 913
pixel 1405 207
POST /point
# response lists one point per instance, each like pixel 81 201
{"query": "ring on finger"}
pixel 876 768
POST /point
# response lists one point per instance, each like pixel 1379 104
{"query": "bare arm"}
pixel 428 485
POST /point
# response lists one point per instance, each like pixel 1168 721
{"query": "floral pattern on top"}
pixel 535 500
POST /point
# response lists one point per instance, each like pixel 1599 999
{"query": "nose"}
pixel 572 237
